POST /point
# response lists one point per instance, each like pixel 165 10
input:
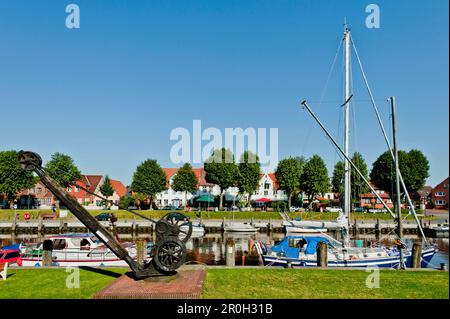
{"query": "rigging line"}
pixel 386 139
pixel 330 72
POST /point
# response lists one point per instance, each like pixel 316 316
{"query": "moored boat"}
pixel 76 250
pixel 300 251
pixel 240 227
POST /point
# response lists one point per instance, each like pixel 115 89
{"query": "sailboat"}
pixel 301 251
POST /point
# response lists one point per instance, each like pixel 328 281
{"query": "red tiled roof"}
pixel 91 181
pixel 120 189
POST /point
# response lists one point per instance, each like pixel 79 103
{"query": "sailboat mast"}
pixel 347 186
pixel 397 181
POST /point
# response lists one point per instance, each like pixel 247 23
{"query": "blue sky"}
pixel 109 93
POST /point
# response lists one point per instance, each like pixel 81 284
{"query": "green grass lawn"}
pixel 323 284
pixel 241 283
pixel 51 283
pixel 7 214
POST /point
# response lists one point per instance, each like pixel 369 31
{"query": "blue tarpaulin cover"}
pixel 292 252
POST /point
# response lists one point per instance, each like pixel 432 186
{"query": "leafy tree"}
pixel 185 181
pixel 12 177
pixel 62 169
pixel 149 179
pixel 106 188
pixel 248 177
pixel 314 179
pixel 288 174
pixel 358 185
pixel 221 170
pixel 337 181
pixel 413 166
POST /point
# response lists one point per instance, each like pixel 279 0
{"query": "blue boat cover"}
pixel 11 247
pixel 292 252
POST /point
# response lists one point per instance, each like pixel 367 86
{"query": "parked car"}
pixel 294 209
pixel 359 210
pixel 333 209
pixel 177 217
pixel 377 210
pixel 106 216
pixel 10 256
pixel 171 207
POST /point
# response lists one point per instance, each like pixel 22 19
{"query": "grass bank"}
pixel 8 214
pixel 248 283
pixel 51 283
pixel 323 284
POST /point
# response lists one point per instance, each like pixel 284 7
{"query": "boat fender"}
pixel 263 247
pixel 252 245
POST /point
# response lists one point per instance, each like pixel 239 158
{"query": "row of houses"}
pixel 40 197
pixel 268 189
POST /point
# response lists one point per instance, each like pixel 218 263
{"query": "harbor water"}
pixel 210 249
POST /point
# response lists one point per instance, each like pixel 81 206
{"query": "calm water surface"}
pixel 210 249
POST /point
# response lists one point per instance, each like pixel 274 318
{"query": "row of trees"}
pixel 294 174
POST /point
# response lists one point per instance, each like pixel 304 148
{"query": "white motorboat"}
pixel 305 230
pixel 240 227
pixel 197 230
pixel 76 250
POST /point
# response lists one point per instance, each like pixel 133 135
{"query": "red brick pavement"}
pixel 186 284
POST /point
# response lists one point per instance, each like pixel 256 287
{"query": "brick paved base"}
pixel 186 284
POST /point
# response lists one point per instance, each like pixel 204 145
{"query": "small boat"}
pixel 305 230
pixel 197 230
pixel 315 226
pixel 300 251
pixel 76 250
pixel 240 227
pixel 439 231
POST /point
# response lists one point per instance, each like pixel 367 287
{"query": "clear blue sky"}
pixel 109 93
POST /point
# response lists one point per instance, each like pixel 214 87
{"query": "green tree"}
pixel 62 169
pixel 358 185
pixel 288 174
pixel 149 179
pixel 337 181
pixel 314 179
pixel 185 181
pixel 106 189
pixel 221 170
pixel 413 166
pixel 248 178
pixel 12 177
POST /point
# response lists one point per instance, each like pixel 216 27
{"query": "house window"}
pixel 39 190
pixel 440 202
pixel 440 194
pixel 69 189
pixel 76 189
pixel 266 193
pixel 445 185
pixel 166 201
pixel 266 186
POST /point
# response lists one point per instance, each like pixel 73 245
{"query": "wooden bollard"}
pixel 322 254
pixel 47 248
pixel 230 253
pixel 140 246
pixel 416 254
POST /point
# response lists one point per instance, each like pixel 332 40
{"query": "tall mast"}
pixel 397 182
pixel 347 186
